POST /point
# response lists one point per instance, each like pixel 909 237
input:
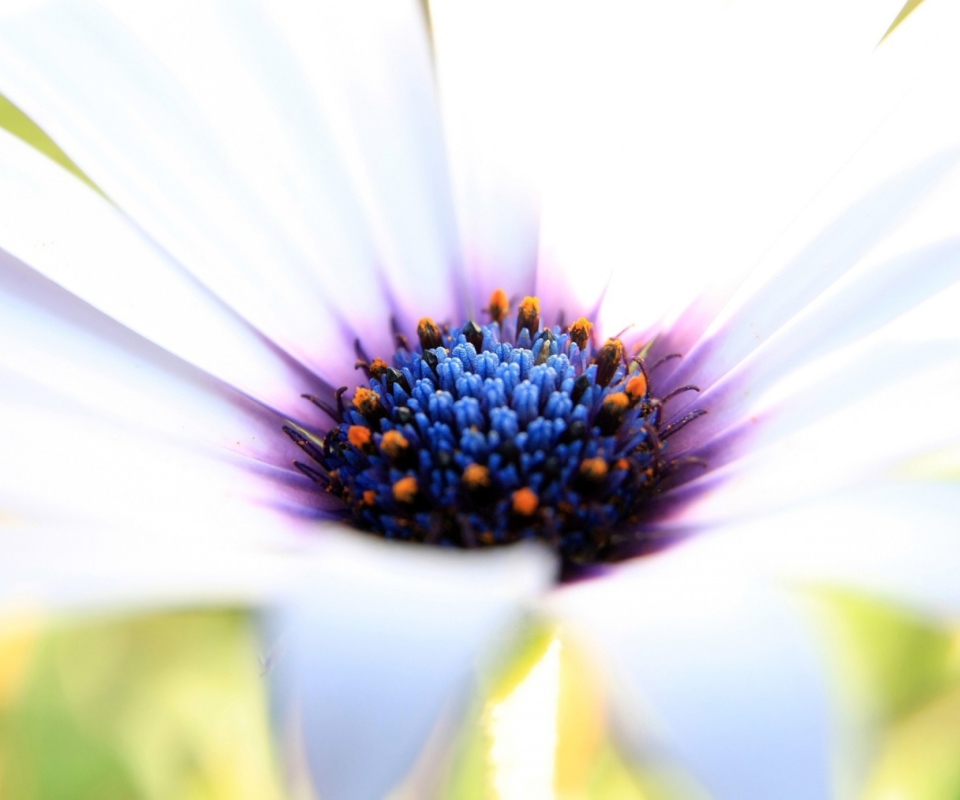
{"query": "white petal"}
pixel 61 228
pixel 94 365
pixel 201 126
pixel 870 416
pixel 714 664
pixel 679 163
pixel 368 65
pixel 492 91
pixel 827 259
pixel 382 639
pixel 95 511
pixel 895 539
pixel 129 475
pixel 860 308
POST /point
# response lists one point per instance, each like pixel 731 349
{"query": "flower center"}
pixel 488 434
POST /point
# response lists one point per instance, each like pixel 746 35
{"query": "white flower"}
pixel 283 179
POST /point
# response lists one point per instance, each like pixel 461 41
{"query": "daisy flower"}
pixel 636 311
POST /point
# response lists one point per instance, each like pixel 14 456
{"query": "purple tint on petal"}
pixel 313 383
pixel 257 441
pixel 486 278
pixel 662 520
pixel 684 333
pixel 826 259
pixel 558 299
pixel 880 296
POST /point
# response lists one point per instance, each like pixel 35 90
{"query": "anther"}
pixel 430 359
pixel 580 332
pixel 608 360
pixel 525 501
pixel 360 437
pixel 528 316
pixel 580 386
pixel 476 476
pixel 473 335
pixel 378 368
pixel 636 388
pixel 429 334
pixel 394 445
pixel 611 412
pixel 367 402
pixel 405 490
pixel 392 375
pixel 499 306
pixel 594 470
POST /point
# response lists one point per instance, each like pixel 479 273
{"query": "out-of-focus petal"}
pixel 836 427
pixel 713 664
pixel 894 538
pixel 823 263
pixel 66 231
pixel 853 221
pixel 94 511
pixel 383 639
pixel 492 92
pixel 215 138
pixel 368 65
pixel 855 311
pixel 128 474
pixel 95 365
pixel 676 162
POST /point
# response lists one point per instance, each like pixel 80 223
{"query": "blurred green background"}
pixel 151 706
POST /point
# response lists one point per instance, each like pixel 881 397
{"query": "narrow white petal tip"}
pixel 380 644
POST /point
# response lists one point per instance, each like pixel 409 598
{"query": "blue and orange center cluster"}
pixel 487 434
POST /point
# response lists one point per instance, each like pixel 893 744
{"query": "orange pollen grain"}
pixel 476 476
pixel 594 468
pixel 622 463
pixel 366 400
pixel 429 334
pixel 580 331
pixel 369 497
pixel 613 349
pixel 358 436
pixel 378 367
pixel 618 401
pixel 405 489
pixel 636 387
pixel 393 444
pixel 530 305
pixel 499 305
pixel 525 501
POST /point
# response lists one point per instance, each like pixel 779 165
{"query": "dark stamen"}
pixel 473 334
pixel 680 390
pixel 665 359
pixel 668 431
